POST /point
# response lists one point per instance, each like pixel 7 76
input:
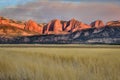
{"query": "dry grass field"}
pixel 59 64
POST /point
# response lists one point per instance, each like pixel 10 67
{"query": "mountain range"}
pixel 59 32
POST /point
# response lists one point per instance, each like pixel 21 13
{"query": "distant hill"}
pixel 59 32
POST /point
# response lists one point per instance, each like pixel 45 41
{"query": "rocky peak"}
pixel 74 25
pixel 54 26
pixel 73 19
pixel 97 24
pixel 71 24
pixel 33 26
pixel 57 26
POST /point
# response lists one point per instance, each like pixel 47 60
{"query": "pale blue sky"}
pixel 7 3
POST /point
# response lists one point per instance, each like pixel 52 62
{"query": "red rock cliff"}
pixel 55 26
pixel 33 27
pixel 97 24
pixel 113 23
pixel 74 25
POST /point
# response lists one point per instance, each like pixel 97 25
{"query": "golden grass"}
pixel 59 64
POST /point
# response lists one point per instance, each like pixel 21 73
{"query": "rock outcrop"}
pixel 113 23
pixel 33 27
pixel 53 27
pixel 4 21
pixel 97 24
pixel 68 32
pixel 30 26
pixel 74 25
pixel 57 27
pixel 10 22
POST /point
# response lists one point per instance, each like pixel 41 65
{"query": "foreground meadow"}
pixel 59 64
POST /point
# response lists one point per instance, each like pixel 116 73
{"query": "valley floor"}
pixel 59 63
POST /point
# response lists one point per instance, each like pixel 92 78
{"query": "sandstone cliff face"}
pixel 97 24
pixel 29 28
pixel 13 31
pixel 74 25
pixel 33 27
pixel 72 31
pixel 21 26
pixel 4 21
pixel 113 23
pixel 29 25
pixel 9 22
pixel 56 26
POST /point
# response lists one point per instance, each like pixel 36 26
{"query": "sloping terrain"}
pixel 6 30
pixel 59 32
pixel 106 35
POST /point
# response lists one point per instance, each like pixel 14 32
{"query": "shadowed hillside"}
pixel 59 32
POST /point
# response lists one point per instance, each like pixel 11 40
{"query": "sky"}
pixel 41 11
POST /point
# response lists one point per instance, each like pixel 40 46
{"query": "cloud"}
pixel 44 11
pixel 83 0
